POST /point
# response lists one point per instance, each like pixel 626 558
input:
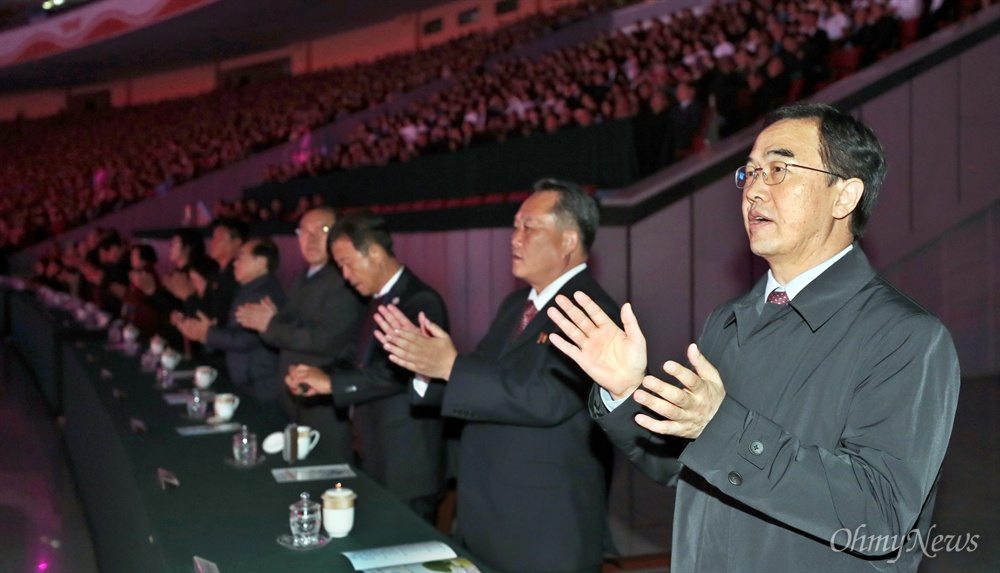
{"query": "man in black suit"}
pixel 318 326
pixel 250 364
pixel 401 445
pixel 532 465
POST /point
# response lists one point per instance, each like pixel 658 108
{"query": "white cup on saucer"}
pixel 225 406
pixel 204 376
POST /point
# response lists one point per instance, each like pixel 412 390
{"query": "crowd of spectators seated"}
pixel 63 171
pixel 741 58
pixel 727 63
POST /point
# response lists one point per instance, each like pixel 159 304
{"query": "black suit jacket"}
pixel 532 465
pixel 250 363
pixel 319 323
pixel 318 326
pixel 402 443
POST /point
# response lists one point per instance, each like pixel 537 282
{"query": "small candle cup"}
pixel 338 511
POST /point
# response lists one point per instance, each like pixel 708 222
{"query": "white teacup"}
pixel 308 438
pixel 225 406
pixel 170 359
pixel 204 376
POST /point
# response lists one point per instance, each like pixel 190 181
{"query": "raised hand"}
pixel 687 410
pixel 614 358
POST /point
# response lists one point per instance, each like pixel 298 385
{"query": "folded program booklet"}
pixel 312 473
pixel 426 556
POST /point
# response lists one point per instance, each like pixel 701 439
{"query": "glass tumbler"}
pixel 245 447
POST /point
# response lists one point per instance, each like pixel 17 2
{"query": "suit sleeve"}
pixel 231 338
pixel 381 377
pixel 333 325
pixel 656 455
pixel 532 385
pixel 889 455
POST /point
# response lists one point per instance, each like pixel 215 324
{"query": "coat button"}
pixel 756 447
pixel 735 478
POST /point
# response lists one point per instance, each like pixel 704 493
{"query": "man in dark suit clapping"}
pixel 401 446
pixel 532 465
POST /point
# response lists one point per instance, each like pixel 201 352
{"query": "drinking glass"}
pixel 245 447
pixel 197 405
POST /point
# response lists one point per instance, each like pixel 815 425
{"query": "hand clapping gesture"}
pixel 426 350
pixel 256 315
pixel 616 360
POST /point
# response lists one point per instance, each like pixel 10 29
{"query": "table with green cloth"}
pixel 38 331
pixel 222 513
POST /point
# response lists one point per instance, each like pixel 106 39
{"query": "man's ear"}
pixel 570 240
pixel 375 252
pixel 849 197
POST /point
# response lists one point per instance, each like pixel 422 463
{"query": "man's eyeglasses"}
pixel 772 173
pixel 317 233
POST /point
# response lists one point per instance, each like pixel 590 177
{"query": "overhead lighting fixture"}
pixel 47 5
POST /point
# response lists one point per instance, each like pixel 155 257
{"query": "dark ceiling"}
pixel 222 30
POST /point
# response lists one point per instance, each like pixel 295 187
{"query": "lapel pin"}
pixel 395 300
pixel 542 338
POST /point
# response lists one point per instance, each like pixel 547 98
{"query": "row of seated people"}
pixel 746 57
pixel 312 354
pixel 62 171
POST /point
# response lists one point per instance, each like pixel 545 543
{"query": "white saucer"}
pixel 274 443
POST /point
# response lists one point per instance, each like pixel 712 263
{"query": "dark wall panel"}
pixel 979 93
pixel 889 229
pixel 935 149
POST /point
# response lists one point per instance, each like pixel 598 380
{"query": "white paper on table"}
pixel 176 398
pixel 202 565
pixel 181 398
pixel 312 473
pixel 394 555
pixel 207 429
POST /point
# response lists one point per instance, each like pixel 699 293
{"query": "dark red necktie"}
pixel 529 312
pixel 778 297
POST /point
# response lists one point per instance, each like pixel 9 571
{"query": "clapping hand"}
pixel 426 350
pixel 256 315
pixel 686 409
pixel 614 358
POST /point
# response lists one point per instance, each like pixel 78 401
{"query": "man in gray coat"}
pixel 318 326
pixel 810 431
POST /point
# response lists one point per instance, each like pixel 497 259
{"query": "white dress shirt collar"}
pixel 548 293
pixel 391 283
pixel 313 270
pixel 800 282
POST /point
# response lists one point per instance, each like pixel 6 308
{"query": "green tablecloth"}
pixel 227 515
